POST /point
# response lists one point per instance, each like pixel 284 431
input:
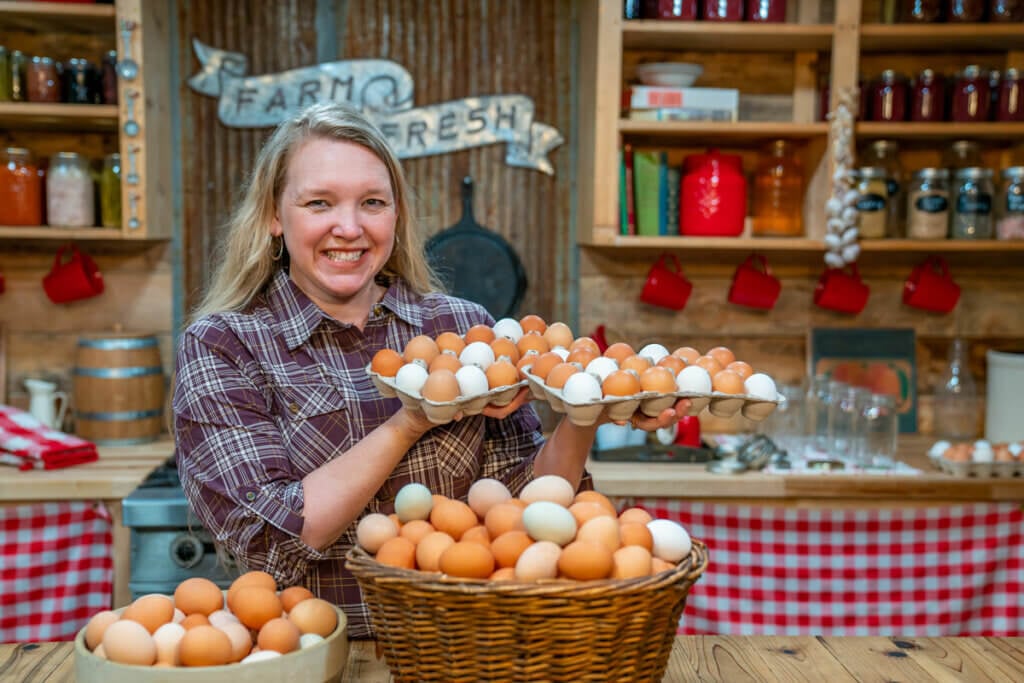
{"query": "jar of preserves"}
pixel 965 11
pixel 922 11
pixel 723 10
pixel 108 78
pixel 5 75
pixel 79 82
pixel 43 84
pixel 1010 105
pixel 971 95
pixel 773 11
pixel 994 79
pixel 889 97
pixel 928 98
pixel 713 195
pixel 1003 11
pixel 17 72
pixel 110 192
pixel 69 191
pixel 962 154
pixel 1010 205
pixel 971 217
pixel 21 191
pixel 778 192
pixel 872 204
pixel 928 204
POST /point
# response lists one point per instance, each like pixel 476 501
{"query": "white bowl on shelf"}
pixel 669 74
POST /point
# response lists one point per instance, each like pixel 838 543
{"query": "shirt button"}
pixel 294 407
pixel 250 496
pixel 378 310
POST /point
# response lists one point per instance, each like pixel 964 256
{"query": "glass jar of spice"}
pixel 1010 206
pixel 1010 105
pixel 21 191
pixel 889 97
pixel 110 192
pixel 971 218
pixel 971 95
pixel 928 204
pixel 43 83
pixel 69 191
pixel 928 100
pixel 872 204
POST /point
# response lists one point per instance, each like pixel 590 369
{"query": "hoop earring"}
pixel 277 253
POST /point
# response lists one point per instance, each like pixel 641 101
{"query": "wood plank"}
pixel 987 131
pixel 688 35
pixel 878 659
pixel 49 16
pixel 45 116
pixel 761 658
pixel 940 37
pixel 708 131
pixel 954 660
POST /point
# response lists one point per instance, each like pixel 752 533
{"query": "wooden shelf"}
pixel 737 36
pixel 713 131
pixel 48 17
pixel 805 244
pixel 941 37
pixel 1005 132
pixel 68 117
pixel 45 232
pixel 945 246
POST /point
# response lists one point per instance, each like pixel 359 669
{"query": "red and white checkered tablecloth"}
pixel 929 571
pixel 56 569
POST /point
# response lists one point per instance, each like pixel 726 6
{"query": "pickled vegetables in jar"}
pixel 21 188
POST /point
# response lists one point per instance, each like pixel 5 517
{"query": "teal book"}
pixel 647 181
pixel 672 203
pixel 623 207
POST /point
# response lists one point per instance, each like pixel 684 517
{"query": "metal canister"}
pixel 971 218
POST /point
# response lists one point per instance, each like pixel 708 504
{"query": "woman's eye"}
pixel 316 203
pixel 376 202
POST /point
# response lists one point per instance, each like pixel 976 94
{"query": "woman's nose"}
pixel 346 223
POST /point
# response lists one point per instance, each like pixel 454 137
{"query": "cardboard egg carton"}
pixel 979 470
pixel 441 413
pixel 649 403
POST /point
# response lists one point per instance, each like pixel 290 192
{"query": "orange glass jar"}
pixel 21 188
pixel 778 193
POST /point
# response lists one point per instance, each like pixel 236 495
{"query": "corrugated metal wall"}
pixel 453 49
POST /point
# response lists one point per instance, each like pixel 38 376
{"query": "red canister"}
pixel 713 197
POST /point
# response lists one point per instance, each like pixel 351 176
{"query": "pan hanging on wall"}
pixel 478 264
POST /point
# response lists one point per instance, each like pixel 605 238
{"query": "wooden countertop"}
pixel 116 474
pixel 672 480
pixel 707 658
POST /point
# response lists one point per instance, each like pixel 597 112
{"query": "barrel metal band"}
pixel 124 442
pixel 124 415
pixel 118 344
pixel 119 373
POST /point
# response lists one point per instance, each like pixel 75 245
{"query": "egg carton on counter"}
pixel 979 470
pixel 441 413
pixel 650 403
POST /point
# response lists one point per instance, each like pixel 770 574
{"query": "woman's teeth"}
pixel 344 255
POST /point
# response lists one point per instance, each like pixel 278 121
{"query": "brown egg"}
pixel 604 530
pixel 503 574
pixel 451 342
pixel 152 611
pixel 543 363
pixel 1001 453
pixel 727 382
pixel 560 373
pixel 687 353
pixel 397 552
pixel 481 332
pixel 635 363
pixel 205 646
pixel 453 517
pixel 445 361
pixel 256 605
pixel 621 383
pixel 722 354
pixel 585 561
pixel 393 517
pixel 293 595
pixel 467 560
pixel 673 363
pixel 634 533
pixel 477 534
pixel 504 517
pixel 315 616
pixel 509 546
pixel 532 342
pixel 416 529
pixel 959 452
pixel 420 347
pixel 596 497
pixel 507 348
pixel 659 565
pixel 658 379
pixel 526 359
pixel 128 642
pixel 198 594
pixel 386 362
pixel 741 368
pixel 709 363
pixel 634 514
pixel 501 373
pixel 533 323
pixel 631 562
pixel 582 355
pixel 429 549
pixel 585 510
pixel 193 620
pixel 586 343
pixel 280 635
pixel 558 334
pixel 254 578
pixel 97 625
pixel 441 386
pixel 619 351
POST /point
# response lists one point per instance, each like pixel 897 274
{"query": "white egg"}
pixel 547 521
pixel 221 617
pixel 694 378
pixel 472 381
pixel 309 640
pixel 261 656
pixel 373 531
pixel 671 542
pixel 538 561
pixel 581 388
pixel 410 378
pixel 1015 449
pixel 938 448
pixel 508 328
pixel 485 494
pixel 601 367
pixel 549 487
pixel 167 638
pixel 477 353
pixel 982 452
pixel 562 352
pixel 413 502
pixel 655 352
pixel 760 385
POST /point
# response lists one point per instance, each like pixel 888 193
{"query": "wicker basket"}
pixel 433 627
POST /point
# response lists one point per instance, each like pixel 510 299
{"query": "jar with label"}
pixel 971 217
pixel 886 153
pixel 928 204
pixel 69 191
pixel 1010 104
pixel 922 11
pixel 21 191
pixel 872 204
pixel 778 192
pixel 110 192
pixel 889 97
pixel 1010 206
pixel 971 95
pixel 928 99
pixel 43 83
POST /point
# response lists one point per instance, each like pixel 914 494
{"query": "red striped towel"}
pixel 28 444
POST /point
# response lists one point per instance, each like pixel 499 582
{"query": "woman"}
pixel 283 443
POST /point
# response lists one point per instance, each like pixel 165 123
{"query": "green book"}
pixel 647 175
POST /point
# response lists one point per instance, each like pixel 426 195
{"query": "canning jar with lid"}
pixel 108 78
pixel 971 95
pixel 1010 205
pixel 971 218
pixel 21 191
pixel 965 10
pixel 69 191
pixel 17 72
pixel 889 97
pixel 928 204
pixel 928 100
pixel 79 82
pixel 723 10
pixel 922 11
pixel 1010 105
pixel 42 80
pixel 773 11
pixel 961 154
pixel 1001 11
pixel 872 204
pixel 886 154
pixel 778 192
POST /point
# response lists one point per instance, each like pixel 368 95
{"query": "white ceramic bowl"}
pixel 669 74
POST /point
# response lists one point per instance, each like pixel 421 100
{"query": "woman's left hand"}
pixel 667 417
pixel 520 399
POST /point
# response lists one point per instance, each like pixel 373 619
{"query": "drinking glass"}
pixel 845 423
pixel 881 428
pixel 786 426
pixel 818 399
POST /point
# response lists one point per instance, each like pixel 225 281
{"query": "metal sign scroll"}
pixel 383 90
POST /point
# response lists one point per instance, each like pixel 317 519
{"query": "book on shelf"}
pixel 656 188
pixel 669 114
pixel 683 101
pixel 627 213
pixel 674 174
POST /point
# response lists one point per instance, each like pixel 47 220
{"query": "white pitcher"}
pixel 46 403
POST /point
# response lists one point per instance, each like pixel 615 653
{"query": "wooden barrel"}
pixel 118 389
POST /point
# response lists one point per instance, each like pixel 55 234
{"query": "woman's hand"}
pixel 520 399
pixel 667 417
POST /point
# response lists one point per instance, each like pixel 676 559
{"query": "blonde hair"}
pixel 248 246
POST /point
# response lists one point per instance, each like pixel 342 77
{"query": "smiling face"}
pixel 337 215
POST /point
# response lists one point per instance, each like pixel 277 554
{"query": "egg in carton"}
pixel 406 386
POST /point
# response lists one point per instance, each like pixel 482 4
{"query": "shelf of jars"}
pixel 59 116
pixel 745 37
pixel 39 17
pixel 937 37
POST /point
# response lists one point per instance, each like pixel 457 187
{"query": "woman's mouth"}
pixel 347 256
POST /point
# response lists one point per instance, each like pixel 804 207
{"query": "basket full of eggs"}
pixel 464 372
pixel 551 585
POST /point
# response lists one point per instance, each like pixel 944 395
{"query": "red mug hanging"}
pixel 666 286
pixel 74 276
pixel 754 286
pixel 841 289
pixel 931 287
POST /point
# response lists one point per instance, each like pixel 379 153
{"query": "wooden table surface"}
pixel 788 659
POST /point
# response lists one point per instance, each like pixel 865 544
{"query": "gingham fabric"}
pixel 28 444
pixel 56 569
pixel 914 571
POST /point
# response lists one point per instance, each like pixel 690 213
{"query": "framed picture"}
pixel 882 360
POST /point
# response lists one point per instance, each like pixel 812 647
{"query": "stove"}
pixel 168 544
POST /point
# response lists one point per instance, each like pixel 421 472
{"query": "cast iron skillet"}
pixel 476 263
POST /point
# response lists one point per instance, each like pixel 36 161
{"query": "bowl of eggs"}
pixel 503 587
pixel 249 632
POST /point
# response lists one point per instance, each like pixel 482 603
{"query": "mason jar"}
pixel 69 191
pixel 971 218
pixel 5 75
pixel 928 204
pixel 872 204
pixel 110 192
pixel 21 191
pixel 1010 205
